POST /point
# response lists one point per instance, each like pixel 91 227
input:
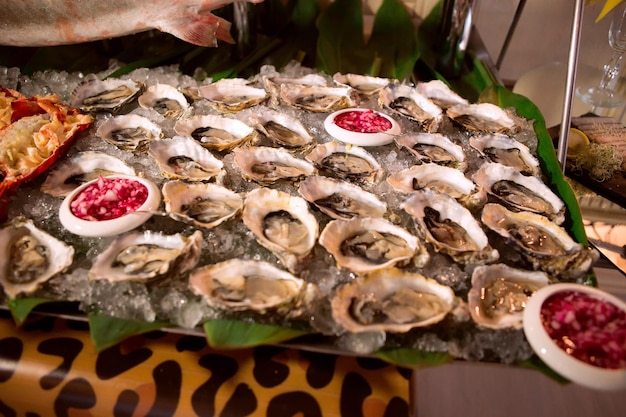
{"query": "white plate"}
pixel 556 358
pixel 358 138
pixel 111 227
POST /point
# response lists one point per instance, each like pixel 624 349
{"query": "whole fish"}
pixel 58 22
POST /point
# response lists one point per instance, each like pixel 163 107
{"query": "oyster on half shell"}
pixel 318 98
pixel 542 243
pixel 499 294
pixel 366 85
pixel 283 130
pixel 449 227
pixel 340 199
pixel 129 132
pixel 483 117
pixel 406 101
pixel 165 100
pixel 519 192
pixel 266 165
pixel 440 94
pixel 147 257
pixel 506 151
pixel 347 162
pixel 435 148
pixel 184 158
pixel 230 95
pixel 282 223
pixel 442 179
pixel 30 257
pixel 391 300
pixel 94 95
pixel 205 204
pixel 81 168
pixel 364 244
pixel 242 284
pixel 215 132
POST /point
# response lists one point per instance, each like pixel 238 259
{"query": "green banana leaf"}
pixel 107 331
pixel 234 334
pixel 413 358
pixel 22 307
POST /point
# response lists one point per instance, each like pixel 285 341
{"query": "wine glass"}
pixel 604 95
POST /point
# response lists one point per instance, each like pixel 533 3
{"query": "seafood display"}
pixel 432 241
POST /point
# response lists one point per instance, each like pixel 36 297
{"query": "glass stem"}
pixel 611 71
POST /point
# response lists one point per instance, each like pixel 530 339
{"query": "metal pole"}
pixel 571 81
pixel 509 35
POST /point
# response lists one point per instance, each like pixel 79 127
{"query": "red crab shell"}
pixel 34 133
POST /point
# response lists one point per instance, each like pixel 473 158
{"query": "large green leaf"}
pixel 233 334
pixel 22 307
pixel 393 42
pixel 413 358
pixel 107 331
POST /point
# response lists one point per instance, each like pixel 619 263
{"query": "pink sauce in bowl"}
pixel 579 332
pixel 364 127
pixel 108 206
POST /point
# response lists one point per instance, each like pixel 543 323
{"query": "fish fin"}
pixel 202 30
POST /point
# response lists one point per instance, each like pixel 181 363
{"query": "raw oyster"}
pixel 183 158
pixel 364 244
pixel 507 151
pixel 318 98
pixel 283 130
pixel 519 192
pixel 94 95
pixel 442 179
pixel 434 147
pixel 207 205
pixel 340 199
pixel 281 223
pixel 403 99
pixel 30 257
pixel 231 95
pixel 543 244
pixel 129 132
pixel 449 227
pixel 266 165
pixel 81 168
pixel 366 85
pixel 483 117
pixel 242 284
pixel 440 94
pixel 147 257
pixel 499 294
pixel 391 300
pixel 215 132
pixel 165 100
pixel 348 162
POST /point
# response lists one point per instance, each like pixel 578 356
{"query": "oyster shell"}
pixel 231 95
pixel 183 158
pixel 165 100
pixel 366 85
pixel 347 162
pixel 499 294
pixel 433 147
pixel 207 205
pixel 129 132
pixel 364 244
pixel 440 94
pixel 30 257
pixel 283 130
pixel 340 199
pixel 215 132
pixel 242 284
pixel 519 192
pixel 281 223
pixel 147 257
pixel 81 168
pixel 442 179
pixel 404 100
pixel 542 243
pixel 391 300
pixel 507 151
pixel 483 117
pixel 318 98
pixel 111 95
pixel 266 165
pixel 449 227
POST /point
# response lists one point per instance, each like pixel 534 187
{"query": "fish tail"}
pixel 202 30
